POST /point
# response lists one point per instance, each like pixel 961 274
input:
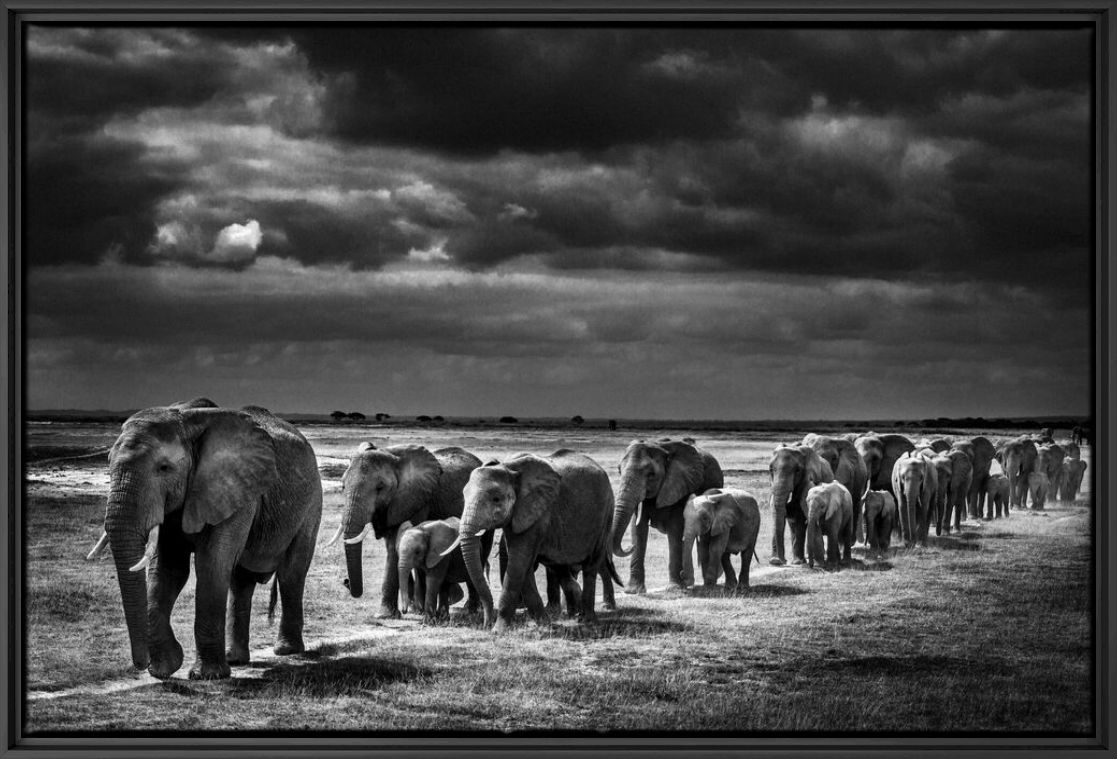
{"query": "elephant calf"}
pixel 997 496
pixel 431 550
pixel 829 515
pixel 724 522
pixel 1073 471
pixel 880 519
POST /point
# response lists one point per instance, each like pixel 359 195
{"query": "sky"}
pixel 674 223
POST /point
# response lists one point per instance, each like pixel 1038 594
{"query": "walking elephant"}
pixel 829 515
pixel 425 549
pixel 554 511
pixel 1038 485
pixel 659 478
pixel 1049 460
pixel 1073 471
pixel 793 471
pixel 980 451
pixel 848 467
pixel 880 453
pixel 385 487
pixel 238 489
pixel 953 489
pixel 914 482
pixel 1018 460
pixel 1072 450
pixel 880 518
pixel 997 494
pixel 724 522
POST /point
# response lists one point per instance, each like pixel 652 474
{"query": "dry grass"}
pixel 986 631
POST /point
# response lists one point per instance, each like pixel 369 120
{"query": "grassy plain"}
pixel 985 631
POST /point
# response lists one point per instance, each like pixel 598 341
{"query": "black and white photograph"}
pixel 406 376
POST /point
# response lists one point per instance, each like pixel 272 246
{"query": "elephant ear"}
pixel 234 465
pixel 725 515
pixel 442 536
pixel 417 476
pixel 536 491
pixel 365 446
pixel 196 403
pixel 684 473
pixel 403 528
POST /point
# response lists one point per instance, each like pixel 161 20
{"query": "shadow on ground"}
pixel 629 622
pixel 915 664
pixel 965 541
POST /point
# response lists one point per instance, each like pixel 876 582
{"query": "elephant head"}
pixel 661 474
pixel 880 453
pixel 710 515
pixel 383 487
pixel 1018 461
pixel 793 471
pixel 189 463
pixel 421 547
pixel 515 495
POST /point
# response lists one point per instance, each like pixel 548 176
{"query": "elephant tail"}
pixel 273 599
pixel 613 570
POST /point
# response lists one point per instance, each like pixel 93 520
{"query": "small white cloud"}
pixel 236 243
pixel 434 253
pixel 513 211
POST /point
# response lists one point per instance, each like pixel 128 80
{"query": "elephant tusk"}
pixel 149 552
pixel 340 530
pixel 455 544
pixel 480 533
pixel 101 543
pixel 359 538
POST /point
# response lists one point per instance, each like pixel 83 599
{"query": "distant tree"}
pixel 577 419
pixel 612 424
pixel 382 416
pixel 424 418
pixel 337 416
pixel 439 419
pixel 508 420
pixel 356 416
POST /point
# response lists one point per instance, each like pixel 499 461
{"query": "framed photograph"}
pixel 645 377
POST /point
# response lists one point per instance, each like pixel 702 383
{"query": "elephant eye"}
pixel 164 467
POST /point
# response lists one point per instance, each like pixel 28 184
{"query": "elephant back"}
pixel 447 499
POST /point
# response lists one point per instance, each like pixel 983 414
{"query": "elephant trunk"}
pixel 471 555
pixel 355 523
pixel 911 512
pixel 814 543
pixel 781 490
pixel 128 542
pixel 404 585
pixel 632 493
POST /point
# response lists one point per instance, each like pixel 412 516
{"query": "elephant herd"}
pixel 240 490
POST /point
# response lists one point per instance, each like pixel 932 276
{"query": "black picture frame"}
pixel 1100 14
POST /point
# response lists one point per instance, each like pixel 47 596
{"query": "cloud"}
pixel 236 243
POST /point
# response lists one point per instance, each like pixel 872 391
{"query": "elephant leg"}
pixel 168 575
pixel 798 538
pixel 417 584
pixel 730 575
pixel 520 575
pixel 675 551
pixel 291 580
pixel 238 616
pixel 389 586
pixel 635 584
pixel 554 604
pixel 473 599
pixel 214 569
pixel 589 590
pixel 433 593
pixel 571 593
pixel 533 601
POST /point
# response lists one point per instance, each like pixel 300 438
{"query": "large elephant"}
pixel 426 550
pixel 1049 460
pixel 1018 458
pixel 829 515
pixel 385 487
pixel 1073 470
pixel 240 490
pixel 793 471
pixel 880 517
pixel 981 452
pixel 880 453
pixel 553 510
pixel 997 493
pixel 659 477
pixel 914 481
pixel 848 467
pixel 724 522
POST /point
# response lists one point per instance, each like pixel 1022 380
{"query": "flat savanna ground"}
pixel 987 630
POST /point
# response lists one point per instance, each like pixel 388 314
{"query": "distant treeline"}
pixel 941 423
